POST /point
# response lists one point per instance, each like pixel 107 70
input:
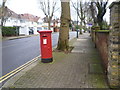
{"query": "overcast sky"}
pixel 24 6
pixel 32 7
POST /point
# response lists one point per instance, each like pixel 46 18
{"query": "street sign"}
pixel 90 24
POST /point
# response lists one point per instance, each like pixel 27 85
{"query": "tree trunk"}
pixel 81 11
pixel 63 43
pixel 100 22
pixel 101 12
pixel 2 17
pixel 81 27
pixel 49 24
pixel 100 15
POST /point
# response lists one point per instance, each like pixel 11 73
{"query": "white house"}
pixel 27 23
pixel 41 25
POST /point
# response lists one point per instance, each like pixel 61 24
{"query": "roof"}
pixel 29 17
pixel 26 16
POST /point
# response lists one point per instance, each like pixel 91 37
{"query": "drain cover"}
pixel 95 68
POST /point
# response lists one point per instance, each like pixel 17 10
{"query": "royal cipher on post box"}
pixel 46 46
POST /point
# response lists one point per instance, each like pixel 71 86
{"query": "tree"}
pixel 5 13
pixel 2 14
pixel 100 6
pixel 93 12
pixel 48 8
pixel 63 42
pixel 80 9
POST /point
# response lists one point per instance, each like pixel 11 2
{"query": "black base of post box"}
pixel 47 60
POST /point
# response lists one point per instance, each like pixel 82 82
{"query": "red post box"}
pixel 46 46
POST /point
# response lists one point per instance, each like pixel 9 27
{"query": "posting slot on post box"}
pixel 44 41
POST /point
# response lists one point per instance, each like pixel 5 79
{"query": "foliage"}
pixel 9 31
pixel 76 27
pixel 70 25
pixel 97 10
pixel 105 25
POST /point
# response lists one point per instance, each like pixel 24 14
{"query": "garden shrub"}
pixel 9 31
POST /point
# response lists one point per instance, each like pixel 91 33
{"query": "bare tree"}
pixel 63 43
pixel 49 8
pixel 93 12
pixel 5 13
pixel 99 6
pixel 80 8
pixel 2 13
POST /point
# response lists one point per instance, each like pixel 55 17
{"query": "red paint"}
pixel 46 44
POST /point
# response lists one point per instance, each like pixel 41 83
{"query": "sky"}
pixel 24 6
pixel 32 7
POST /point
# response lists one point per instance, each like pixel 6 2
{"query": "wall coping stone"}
pixel 113 3
pixel 101 31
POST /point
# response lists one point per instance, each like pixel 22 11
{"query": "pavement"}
pixel 18 37
pixel 81 68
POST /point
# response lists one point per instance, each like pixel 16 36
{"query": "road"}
pixel 19 51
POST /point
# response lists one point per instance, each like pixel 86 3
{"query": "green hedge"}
pixel 9 31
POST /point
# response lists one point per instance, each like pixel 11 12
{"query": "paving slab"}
pixel 77 69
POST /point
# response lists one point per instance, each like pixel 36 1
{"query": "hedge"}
pixel 9 31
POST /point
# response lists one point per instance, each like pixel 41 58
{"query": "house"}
pixel 10 17
pixel 54 25
pixel 42 25
pixel 27 23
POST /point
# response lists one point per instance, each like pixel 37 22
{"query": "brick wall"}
pixel 108 44
pixel 102 45
pixel 114 46
pixel 93 33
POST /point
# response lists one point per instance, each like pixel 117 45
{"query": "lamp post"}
pixel 77 19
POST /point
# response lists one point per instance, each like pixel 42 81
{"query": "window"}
pixel 39 28
pixel 22 21
pixel 45 28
